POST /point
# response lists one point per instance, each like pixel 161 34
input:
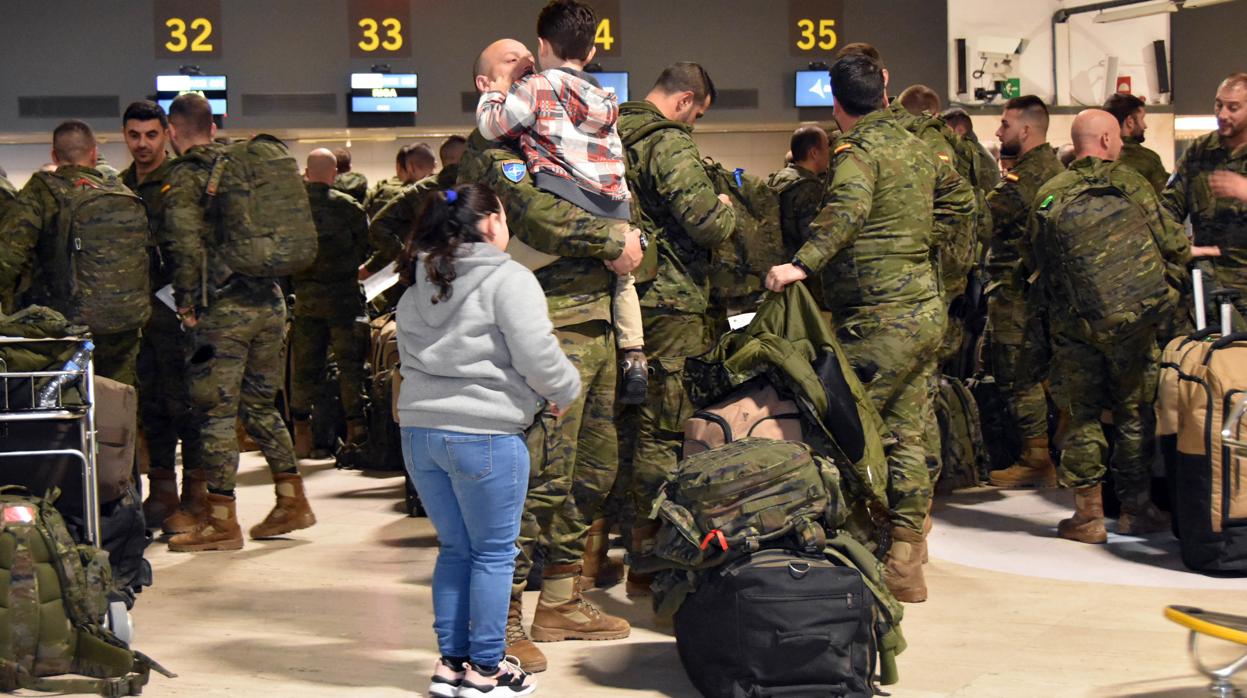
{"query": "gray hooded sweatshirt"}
pixel 482 361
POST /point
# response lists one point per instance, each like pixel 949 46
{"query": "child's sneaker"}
pixel 635 378
pixel 507 681
pixel 447 676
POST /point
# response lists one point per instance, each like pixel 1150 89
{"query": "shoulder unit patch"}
pixel 514 170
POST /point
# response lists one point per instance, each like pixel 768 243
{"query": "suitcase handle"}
pixel 1229 339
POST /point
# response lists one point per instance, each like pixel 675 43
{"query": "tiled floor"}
pixel 343 609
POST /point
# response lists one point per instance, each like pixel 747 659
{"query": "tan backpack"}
pixel 755 410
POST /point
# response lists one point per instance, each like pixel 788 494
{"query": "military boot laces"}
pixel 291 512
pixel 564 614
pixel 1087 523
pixel 530 658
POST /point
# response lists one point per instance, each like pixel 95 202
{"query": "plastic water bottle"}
pixel 49 394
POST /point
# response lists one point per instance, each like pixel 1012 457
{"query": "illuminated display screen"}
pixel 212 87
pixel 384 93
pixel 814 88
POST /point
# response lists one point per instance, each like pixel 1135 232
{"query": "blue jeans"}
pixel 473 488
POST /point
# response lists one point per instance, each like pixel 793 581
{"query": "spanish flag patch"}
pixel 166 188
pixel 1012 177
pixel 945 158
pixel 843 148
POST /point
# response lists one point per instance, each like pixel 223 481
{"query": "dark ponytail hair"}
pixel 447 221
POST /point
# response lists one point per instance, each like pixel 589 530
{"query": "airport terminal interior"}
pixel 324 318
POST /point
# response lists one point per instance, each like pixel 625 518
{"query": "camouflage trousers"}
pixel 897 345
pixel 670 338
pixel 1087 380
pixel 116 356
pixel 236 368
pixel 1013 366
pixel 311 340
pixel 574 458
pixel 164 404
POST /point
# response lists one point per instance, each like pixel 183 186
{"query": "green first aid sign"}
pixel 1012 88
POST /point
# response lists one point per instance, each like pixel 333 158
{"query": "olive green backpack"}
pixel 53 597
pixel 97 268
pixel 739 266
pixel 257 199
pixel 1098 250
pixel 962 451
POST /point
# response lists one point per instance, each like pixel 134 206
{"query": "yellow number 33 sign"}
pixel 379 28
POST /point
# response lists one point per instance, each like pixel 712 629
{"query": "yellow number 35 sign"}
pixel 814 26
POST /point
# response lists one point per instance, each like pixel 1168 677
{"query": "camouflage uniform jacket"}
pixel 151 191
pixel 23 242
pixel 342 242
pixel 800 198
pixel 382 193
pixel 1010 203
pixel 1144 161
pixel 1168 236
pixel 579 287
pixel 678 209
pixel 387 233
pixel 352 183
pixel 447 176
pixel 873 238
pixel 190 240
pixel 8 195
pixel 1217 221
pixel 986 169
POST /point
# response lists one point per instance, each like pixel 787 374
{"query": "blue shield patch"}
pixel 514 171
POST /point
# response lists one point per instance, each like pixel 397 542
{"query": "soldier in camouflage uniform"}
pixel 164 405
pixel 352 184
pixel 328 300
pixel 390 226
pixel 1023 135
pixel 450 153
pixel 412 164
pixel 237 327
pixel 1091 374
pixel 801 185
pixel 8 195
pixel 1130 112
pixel 683 219
pixel 28 238
pixel 985 166
pixel 574 454
pixel 871 248
pixel 1208 185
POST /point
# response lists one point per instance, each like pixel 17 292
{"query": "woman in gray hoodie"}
pixel 479 360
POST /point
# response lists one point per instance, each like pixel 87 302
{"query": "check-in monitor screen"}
pixel 813 88
pixel 384 93
pixel 212 87
pixel 614 82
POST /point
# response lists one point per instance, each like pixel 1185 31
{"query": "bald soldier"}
pixel 1083 285
pixel 801 183
pixel 327 301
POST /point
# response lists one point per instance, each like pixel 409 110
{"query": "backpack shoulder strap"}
pixel 641 133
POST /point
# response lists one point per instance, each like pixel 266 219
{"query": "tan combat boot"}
pixel 304 444
pixel 1035 469
pixel 642 545
pixel 902 568
pixel 194 507
pixel 292 511
pixel 563 614
pixel 1087 523
pixel 1142 517
pixel 598 569
pixel 519 646
pixel 162 496
pixel 219 531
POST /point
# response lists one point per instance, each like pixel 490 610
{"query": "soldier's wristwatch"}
pixel 801 265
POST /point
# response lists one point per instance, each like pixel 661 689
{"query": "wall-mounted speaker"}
pixel 963 84
pixel 1162 66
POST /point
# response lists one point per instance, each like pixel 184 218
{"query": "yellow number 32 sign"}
pixel 187 28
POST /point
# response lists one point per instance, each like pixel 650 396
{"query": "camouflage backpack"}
pixel 98 265
pixel 257 199
pixel 53 597
pixel 739 266
pixel 962 451
pixel 1097 248
pixel 740 498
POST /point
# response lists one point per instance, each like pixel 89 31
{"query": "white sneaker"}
pixel 446 679
pixel 508 681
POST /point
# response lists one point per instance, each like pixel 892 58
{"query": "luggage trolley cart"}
pixel 15 408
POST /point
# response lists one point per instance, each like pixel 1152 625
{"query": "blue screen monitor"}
pixel 212 87
pixel 813 88
pixel 614 82
pixel 384 93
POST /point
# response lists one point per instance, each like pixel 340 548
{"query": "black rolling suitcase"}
pixel 779 624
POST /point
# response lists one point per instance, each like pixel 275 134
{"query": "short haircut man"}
pixel 421 156
pixel 1123 106
pixel 452 149
pixel 958 120
pixel 192 112
pixel 569 28
pixel 857 84
pixel 804 141
pixel 1033 110
pixel 343 157
pixel 73 143
pixel 1235 80
pixel 860 48
pixel 400 158
pixel 145 110
pixel 686 76
pixel 919 98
